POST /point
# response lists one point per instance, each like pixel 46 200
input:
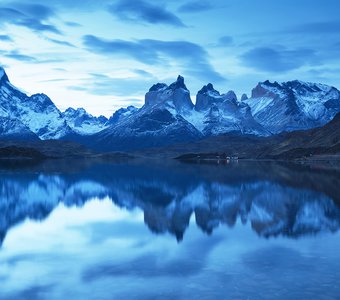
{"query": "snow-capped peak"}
pixel 230 96
pixel 121 114
pixel 75 112
pixel 3 75
pixel 175 97
pixel 84 123
pixel 168 110
pixel 40 115
pixel 209 90
pixel 293 105
pixel 158 87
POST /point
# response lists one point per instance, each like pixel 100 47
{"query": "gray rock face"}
pixel 37 116
pixel 169 116
pixel 244 97
pixel 231 96
pixel 84 123
pixel 175 96
pixel 159 122
pixel 206 97
pixel 221 114
pixel 37 112
pixel 121 114
pixel 145 129
pixel 12 129
pixel 293 105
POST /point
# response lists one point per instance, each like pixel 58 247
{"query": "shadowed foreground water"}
pixel 141 230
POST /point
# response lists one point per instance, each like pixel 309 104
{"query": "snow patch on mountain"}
pixel 293 105
pixel 169 116
pixel 15 129
pixel 159 122
pixel 121 114
pixel 260 103
pixel 37 112
pixel 40 115
pixel 175 96
pixel 84 123
pixel 216 114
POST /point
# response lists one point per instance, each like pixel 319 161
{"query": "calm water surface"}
pixel 141 230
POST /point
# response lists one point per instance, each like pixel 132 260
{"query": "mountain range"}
pixel 169 116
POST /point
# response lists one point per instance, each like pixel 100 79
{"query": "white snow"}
pixel 42 117
pixel 258 104
pixel 312 103
pixel 196 119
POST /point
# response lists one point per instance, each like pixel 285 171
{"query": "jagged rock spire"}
pixel 244 97
pixel 3 75
pixel 206 88
pixel 179 83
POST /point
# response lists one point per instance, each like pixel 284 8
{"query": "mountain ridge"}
pixel 169 116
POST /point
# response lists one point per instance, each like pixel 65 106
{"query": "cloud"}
pixel 39 58
pixel 67 5
pixel 5 38
pixel 7 13
pixel 31 16
pixel 279 59
pixel 195 7
pixel 37 26
pixel 77 88
pixel 225 41
pixel 324 71
pixel 148 264
pixel 192 58
pixel 62 43
pixel 329 27
pixel 73 24
pixel 136 50
pixel 60 69
pixel 31 292
pixel 14 54
pixel 35 10
pixel 142 73
pixel 54 80
pixel 145 12
pixel 102 84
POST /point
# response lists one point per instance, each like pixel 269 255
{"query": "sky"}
pixel 106 54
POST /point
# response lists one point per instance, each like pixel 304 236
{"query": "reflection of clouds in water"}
pixel 229 264
pixel 113 256
pixel 174 264
pixel 35 250
pixel 59 226
pixel 86 248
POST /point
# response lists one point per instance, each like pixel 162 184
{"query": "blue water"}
pixel 161 230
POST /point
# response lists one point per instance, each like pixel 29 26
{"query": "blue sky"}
pixel 102 55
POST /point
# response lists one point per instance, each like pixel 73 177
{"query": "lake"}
pixel 168 230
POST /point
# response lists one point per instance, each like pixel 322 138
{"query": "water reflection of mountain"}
pixel 276 199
